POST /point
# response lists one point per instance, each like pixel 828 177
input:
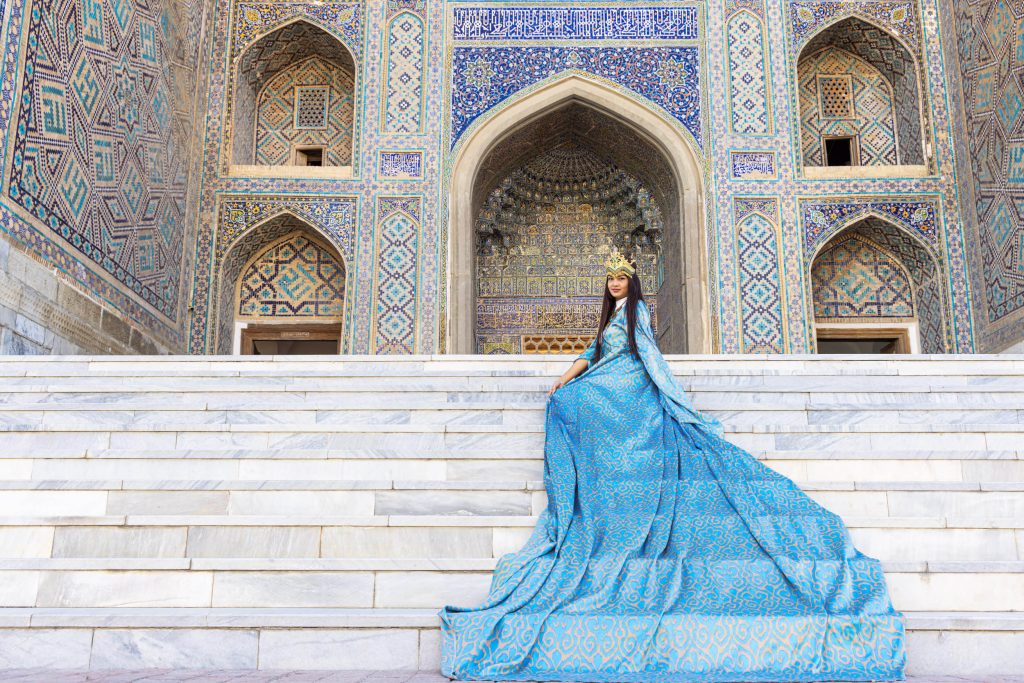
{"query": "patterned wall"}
pixel 841 94
pixel 898 66
pixel 990 50
pixel 98 148
pixel 109 193
pixel 271 62
pixel 853 278
pixel 276 132
pixel 295 278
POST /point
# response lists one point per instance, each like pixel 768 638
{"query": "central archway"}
pixel 671 171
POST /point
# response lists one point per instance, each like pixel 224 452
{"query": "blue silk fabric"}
pixel 667 553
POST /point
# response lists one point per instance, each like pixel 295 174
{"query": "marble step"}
pixel 343 638
pixel 453 415
pixel 880 499
pixel 505 385
pixel 995 467
pixel 394 583
pixel 170 536
pixel 247 402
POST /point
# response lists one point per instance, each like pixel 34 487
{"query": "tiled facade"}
pixel 133 179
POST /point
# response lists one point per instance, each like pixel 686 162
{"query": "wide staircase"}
pixel 234 513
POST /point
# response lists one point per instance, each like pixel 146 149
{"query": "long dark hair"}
pixel 634 295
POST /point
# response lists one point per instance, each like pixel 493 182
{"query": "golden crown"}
pixel 617 263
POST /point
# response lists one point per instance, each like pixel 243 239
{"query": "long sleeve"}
pixel 672 393
pixel 588 354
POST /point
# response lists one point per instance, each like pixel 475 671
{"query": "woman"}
pixel 667 553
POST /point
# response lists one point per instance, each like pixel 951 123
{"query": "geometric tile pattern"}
pixel 898 68
pixel 991 71
pixel 276 115
pixel 748 90
pixel 398 231
pixel 99 161
pixel 759 285
pixel 269 70
pixel 927 275
pixel 482 77
pixel 296 277
pixel 867 114
pixel 403 96
pixel 853 278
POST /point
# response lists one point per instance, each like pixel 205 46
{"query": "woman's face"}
pixel 618 285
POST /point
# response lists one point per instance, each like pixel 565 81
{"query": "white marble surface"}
pixel 339 649
pixel 45 648
pixel 430 589
pixel 293 589
pixel 405 542
pixel 124 589
pixel 301 503
pixel 119 541
pixel 174 648
pixel 279 541
pixel 26 541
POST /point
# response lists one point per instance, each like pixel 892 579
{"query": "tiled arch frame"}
pixel 932 301
pixel 909 39
pixel 677 144
pixel 237 51
pixel 237 241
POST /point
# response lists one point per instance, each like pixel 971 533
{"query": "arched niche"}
pixel 291 279
pixel 294 91
pixel 860 86
pixel 874 275
pixel 587 118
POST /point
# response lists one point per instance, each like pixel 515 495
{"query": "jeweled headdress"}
pixel 617 263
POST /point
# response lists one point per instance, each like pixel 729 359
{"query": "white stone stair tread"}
pixel 444 485
pixel 402 565
pixel 443 521
pixel 180 617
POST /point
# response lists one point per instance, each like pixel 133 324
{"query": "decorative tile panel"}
pixel 400 165
pixel 296 278
pixel 403 87
pixel 394 319
pixel 749 97
pixel 753 165
pixel 510 23
pixel 853 278
pixel 759 277
pixel 482 77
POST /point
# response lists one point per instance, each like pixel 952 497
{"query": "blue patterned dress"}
pixel 669 554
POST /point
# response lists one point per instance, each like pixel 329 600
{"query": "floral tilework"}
pixel 482 77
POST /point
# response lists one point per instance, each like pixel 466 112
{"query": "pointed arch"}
pixel 243 248
pixel 676 146
pixel 273 53
pixel 898 62
pixel 930 288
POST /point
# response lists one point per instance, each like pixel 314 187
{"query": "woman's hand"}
pixel 559 383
